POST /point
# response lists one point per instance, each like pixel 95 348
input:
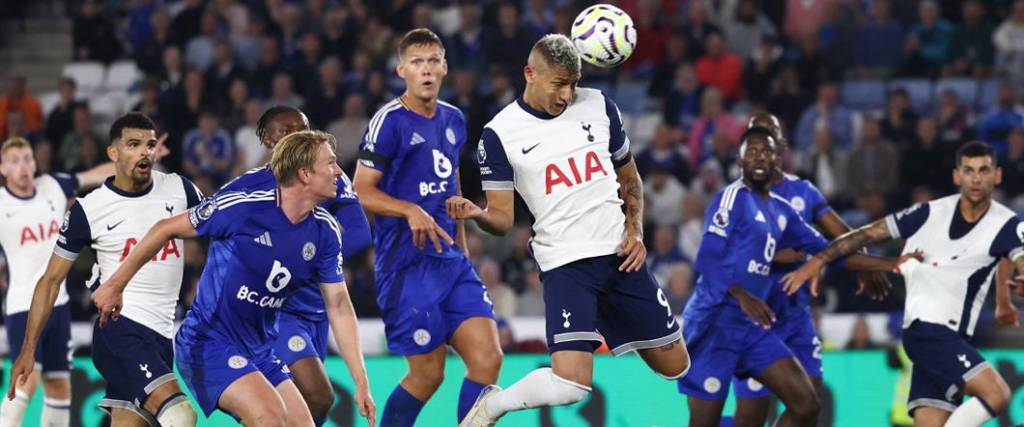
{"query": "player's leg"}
pixel 706 384
pixel 930 417
pixel 310 378
pixel 295 406
pixel 470 314
pixel 989 397
pixel 704 413
pixel 238 399
pixel 13 411
pixel 753 402
pixel 56 360
pixel 169 405
pixel 787 379
pixel 301 344
pixel 426 371
pixel 124 417
pixel 56 401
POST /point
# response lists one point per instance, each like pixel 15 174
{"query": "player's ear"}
pixel 112 151
pixel 999 175
pixel 528 73
pixel 399 68
pixel 956 176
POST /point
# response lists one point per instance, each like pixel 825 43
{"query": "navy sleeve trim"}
pixel 1009 242
pixel 496 171
pixel 618 142
pixel 75 233
pixel 192 193
pixel 68 183
pixel 905 223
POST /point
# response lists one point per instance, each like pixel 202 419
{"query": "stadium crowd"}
pixel 875 96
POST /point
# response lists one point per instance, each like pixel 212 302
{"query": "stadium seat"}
pixel 122 76
pixel 987 93
pixel 48 100
pixel 640 128
pixel 966 89
pixel 920 91
pixel 108 105
pixel 632 97
pixel 863 95
pixel 88 75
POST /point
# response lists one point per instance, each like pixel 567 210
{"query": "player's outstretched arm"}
pixel 874 282
pixel 1006 312
pixel 107 296
pixel 345 327
pixel 378 202
pixel 631 191
pixel 845 245
pixel 496 219
pixel 47 289
pixel 95 176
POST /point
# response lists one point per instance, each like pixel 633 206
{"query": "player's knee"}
pixel 997 397
pixel 806 409
pixel 57 388
pixel 427 380
pixel 178 414
pixel 320 403
pixel 675 368
pixel 484 362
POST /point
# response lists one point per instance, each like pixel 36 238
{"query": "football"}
pixel 604 35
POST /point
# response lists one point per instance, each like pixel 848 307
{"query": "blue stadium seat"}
pixel 966 89
pixel 920 91
pixel 987 93
pixel 863 94
pixel 632 97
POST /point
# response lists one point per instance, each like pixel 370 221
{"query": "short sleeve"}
pixel 905 223
pixel 799 234
pixel 718 218
pixel 75 233
pixel 68 183
pixel 331 259
pixel 495 170
pixel 215 217
pixel 192 193
pixel 1009 242
pixel 618 142
pixel 380 142
pixel 817 206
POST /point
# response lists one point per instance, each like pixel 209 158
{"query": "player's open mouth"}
pixel 760 171
pixel 144 166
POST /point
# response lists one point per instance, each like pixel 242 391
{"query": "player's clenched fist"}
pixel 424 227
pixel 462 208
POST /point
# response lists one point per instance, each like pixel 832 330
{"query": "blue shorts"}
pixel 134 360
pixel 798 333
pixel 424 303
pixel 53 354
pixel 943 363
pixel 719 351
pixel 208 365
pixel 299 338
pixel 590 300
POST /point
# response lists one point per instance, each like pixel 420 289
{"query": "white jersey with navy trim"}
pixel 564 168
pixel 950 286
pixel 28 231
pixel 112 222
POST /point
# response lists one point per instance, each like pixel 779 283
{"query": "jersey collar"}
pixel 535 112
pixel 109 183
pixel 30 197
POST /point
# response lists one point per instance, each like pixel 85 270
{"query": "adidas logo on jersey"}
pixel 417 139
pixel 264 239
pixel 760 217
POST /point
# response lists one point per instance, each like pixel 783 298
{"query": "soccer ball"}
pixel 604 35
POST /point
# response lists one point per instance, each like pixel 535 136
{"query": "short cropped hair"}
pixel 15 142
pixel 974 149
pixel 756 130
pixel 297 151
pixel 558 51
pixel 419 37
pixel 133 120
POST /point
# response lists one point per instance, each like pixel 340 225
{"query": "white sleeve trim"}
pixel 894 229
pixel 64 253
pixel 497 185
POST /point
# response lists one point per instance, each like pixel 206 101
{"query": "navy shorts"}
pixel 720 351
pixel 53 354
pixel 209 365
pixel 299 338
pixel 134 360
pixel 590 300
pixel 943 363
pixel 798 333
pixel 424 303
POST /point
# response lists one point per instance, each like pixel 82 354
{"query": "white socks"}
pixel 540 387
pixel 56 413
pixel 177 412
pixel 972 413
pixel 12 411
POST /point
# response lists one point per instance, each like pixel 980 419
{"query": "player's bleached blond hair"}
pixel 14 142
pixel 558 51
pixel 296 152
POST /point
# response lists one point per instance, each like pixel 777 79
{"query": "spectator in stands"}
pixel 71 155
pixel 697 27
pixel 713 119
pixel 538 19
pixel 16 99
pixel 692 229
pixel 664 195
pixel 682 105
pixel 823 162
pixel 900 121
pixel 510 45
pixel 359 73
pixel 250 151
pixel 326 97
pixel 531 301
pixel 172 71
pixel 873 163
pixel 305 67
pixel 149 55
pixel 838 34
pixel 860 335
pixel 720 68
pixel 972 53
pixel 785 98
pixel 282 92
pixel 956 124
pixel 663 75
pixel 248 44
pixel 927 48
pixel 222 74
pixel 651 34
pixel 376 40
pixel 199 52
pixel 762 68
pixel 515 266
pixel 149 104
pixel 209 150
pixel 348 129
pixel 467 97
pixel 233 115
pixel 928 159
pixel 338 37
pixel 187 21
pixel 826 113
pixel 878 50
pixel 1009 43
pixel 664 253
pixel 467 47
pixel 138 26
pixel 747 28
pixel 679 286
pixel 502 93
pixel 503 298
pixel 710 178
pixel 804 17
pixel 289 28
pixel 93 37
pixel 665 152
pixel 1001 118
pixel 267 67
pixel 376 93
pixel 723 154
pixel 16 126
pixel 59 121
pixel 180 106
pixel 1013 167
pixel 812 65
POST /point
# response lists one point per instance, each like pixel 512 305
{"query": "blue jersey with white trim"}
pixel 257 259
pixel 419 160
pixel 811 205
pixel 742 232
pixel 307 301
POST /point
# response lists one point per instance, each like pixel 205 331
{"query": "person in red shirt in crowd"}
pixel 15 99
pixel 720 68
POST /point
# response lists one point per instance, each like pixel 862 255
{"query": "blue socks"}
pixel 402 409
pixel 467 396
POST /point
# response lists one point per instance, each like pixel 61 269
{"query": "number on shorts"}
pixel 817 348
pixel 663 300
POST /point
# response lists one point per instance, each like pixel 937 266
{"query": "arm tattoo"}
pixel 1019 264
pixel 632 193
pixel 853 241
